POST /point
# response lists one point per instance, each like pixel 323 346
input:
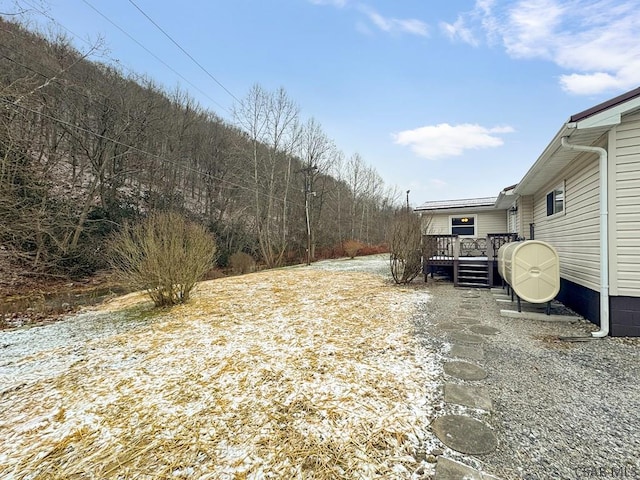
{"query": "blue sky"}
pixel 450 100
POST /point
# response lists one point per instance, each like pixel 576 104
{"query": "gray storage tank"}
pixel 531 268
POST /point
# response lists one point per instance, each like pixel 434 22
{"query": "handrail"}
pixel 496 240
pixel 441 245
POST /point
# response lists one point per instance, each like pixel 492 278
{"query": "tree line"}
pixel 85 148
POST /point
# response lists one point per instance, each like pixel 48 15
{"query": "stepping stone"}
pixel 474 397
pixel 484 329
pixel 449 326
pixel 464 371
pixel 466 338
pixel 467 320
pixel 464 351
pixel 450 470
pixel 468 306
pixel 464 434
pixel 470 295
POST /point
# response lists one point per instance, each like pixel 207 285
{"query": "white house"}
pixel 582 195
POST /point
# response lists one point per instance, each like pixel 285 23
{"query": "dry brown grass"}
pixel 280 374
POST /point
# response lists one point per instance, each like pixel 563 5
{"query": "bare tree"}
pixel 271 121
pixel 318 154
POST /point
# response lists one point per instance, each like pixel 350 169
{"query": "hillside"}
pixel 85 147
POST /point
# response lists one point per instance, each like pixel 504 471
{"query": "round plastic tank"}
pixel 531 268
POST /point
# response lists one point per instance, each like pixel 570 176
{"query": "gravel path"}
pixel 561 410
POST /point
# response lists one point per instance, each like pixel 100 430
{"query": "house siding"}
pixel 520 222
pixel 625 268
pixel 493 221
pixel 513 219
pixel 525 216
pixel 575 233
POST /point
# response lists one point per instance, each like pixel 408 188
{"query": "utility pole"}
pixel 408 200
pixel 308 191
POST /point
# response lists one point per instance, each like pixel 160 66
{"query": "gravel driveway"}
pixel 561 410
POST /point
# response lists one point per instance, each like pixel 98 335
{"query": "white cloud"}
pixel 594 41
pixel 592 83
pixel 459 30
pixel 443 140
pixel 395 25
pixel 530 30
pixel 411 26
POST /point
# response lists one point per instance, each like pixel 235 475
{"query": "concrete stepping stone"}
pixel 467 320
pixel 449 326
pixel 470 295
pixel 465 351
pixel 484 330
pixel 465 434
pixel 468 306
pixel 474 397
pixel 466 338
pixel 451 470
pixel 464 370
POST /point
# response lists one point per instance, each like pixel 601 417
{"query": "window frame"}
pixel 475 225
pixel 551 200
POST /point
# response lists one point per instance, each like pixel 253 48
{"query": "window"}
pixel 555 200
pixel 463 226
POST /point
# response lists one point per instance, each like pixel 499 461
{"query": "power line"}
pixel 144 152
pixel 184 51
pixel 112 107
pixel 131 37
pixel 181 166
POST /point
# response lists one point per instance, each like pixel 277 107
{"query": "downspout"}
pixel 604 235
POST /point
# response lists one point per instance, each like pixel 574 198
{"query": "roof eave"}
pixel 523 185
pixel 471 209
pixel 588 124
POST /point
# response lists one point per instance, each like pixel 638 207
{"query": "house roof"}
pixel 605 105
pixel 484 203
pixel 585 128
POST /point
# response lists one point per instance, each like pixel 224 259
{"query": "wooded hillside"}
pixel 85 148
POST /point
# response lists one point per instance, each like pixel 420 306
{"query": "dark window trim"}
pixel 552 200
pixel 474 225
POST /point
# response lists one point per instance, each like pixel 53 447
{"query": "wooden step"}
pixel 473 285
pixel 473 274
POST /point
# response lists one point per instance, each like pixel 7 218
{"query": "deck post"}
pixel 490 260
pixel 456 259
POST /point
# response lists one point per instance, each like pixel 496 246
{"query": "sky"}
pixel 447 99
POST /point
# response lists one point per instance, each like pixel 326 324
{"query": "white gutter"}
pixel 604 235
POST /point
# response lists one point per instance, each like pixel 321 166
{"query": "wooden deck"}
pixel 473 260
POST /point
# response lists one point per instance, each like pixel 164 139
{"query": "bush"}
pixel 404 244
pixel 373 249
pixel 241 262
pixel 166 255
pixel 351 247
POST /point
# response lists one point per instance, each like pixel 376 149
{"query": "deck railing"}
pixel 441 249
pixel 496 240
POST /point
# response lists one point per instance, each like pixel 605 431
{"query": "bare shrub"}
pixel 404 244
pixel 166 255
pixel 351 247
pixel 374 249
pixel 241 263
